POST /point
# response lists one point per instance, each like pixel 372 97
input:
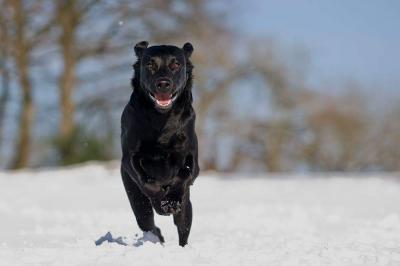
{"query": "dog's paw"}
pixel 171 206
pixel 156 231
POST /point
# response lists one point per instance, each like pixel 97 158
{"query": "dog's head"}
pixel 162 72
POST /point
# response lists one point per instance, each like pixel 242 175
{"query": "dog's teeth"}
pixel 163 103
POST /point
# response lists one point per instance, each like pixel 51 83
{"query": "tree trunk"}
pixel 68 21
pixel 5 93
pixel 5 74
pixel 22 62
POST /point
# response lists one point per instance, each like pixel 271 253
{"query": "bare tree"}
pixel 24 35
pixel 21 55
pixel 68 19
pixel 336 132
pixel 380 149
pixel 4 70
pixel 73 18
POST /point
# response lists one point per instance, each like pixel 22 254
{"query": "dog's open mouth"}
pixel 163 100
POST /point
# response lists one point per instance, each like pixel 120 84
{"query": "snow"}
pixel 54 217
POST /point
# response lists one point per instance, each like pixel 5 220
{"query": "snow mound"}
pixel 124 241
pixel 58 217
pixel 110 239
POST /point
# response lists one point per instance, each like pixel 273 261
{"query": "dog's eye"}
pixel 150 64
pixel 174 65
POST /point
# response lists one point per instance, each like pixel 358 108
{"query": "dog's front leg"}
pixel 139 202
pixel 183 219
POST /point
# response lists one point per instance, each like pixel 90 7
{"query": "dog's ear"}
pixel 140 47
pixel 187 49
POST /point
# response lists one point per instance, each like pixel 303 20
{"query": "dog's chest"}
pixel 164 144
pixel 163 159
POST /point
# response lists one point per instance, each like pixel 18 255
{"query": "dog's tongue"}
pixel 163 99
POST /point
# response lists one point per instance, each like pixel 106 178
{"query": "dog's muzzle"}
pixel 163 99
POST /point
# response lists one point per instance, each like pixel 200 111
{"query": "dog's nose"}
pixel 163 84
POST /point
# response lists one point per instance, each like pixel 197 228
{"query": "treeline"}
pixel 65 69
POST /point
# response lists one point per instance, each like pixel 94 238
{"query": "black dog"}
pixel 159 143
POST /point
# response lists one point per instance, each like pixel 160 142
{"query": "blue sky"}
pixel 347 40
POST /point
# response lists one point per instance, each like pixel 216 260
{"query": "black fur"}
pixel 159 143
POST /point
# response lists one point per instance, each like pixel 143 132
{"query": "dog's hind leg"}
pixel 183 219
pixel 141 206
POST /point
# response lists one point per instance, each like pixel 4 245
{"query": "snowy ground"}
pixel 54 217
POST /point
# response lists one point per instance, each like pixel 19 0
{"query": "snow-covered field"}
pixel 54 217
